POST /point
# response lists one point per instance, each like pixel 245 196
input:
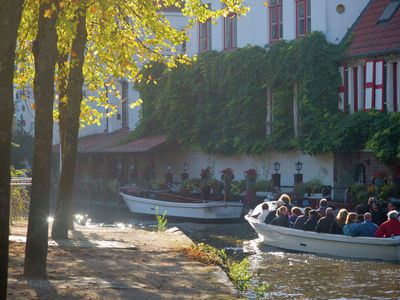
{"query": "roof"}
pixel 373 38
pixel 109 143
pixel 141 145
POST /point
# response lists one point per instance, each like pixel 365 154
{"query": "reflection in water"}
pixel 291 275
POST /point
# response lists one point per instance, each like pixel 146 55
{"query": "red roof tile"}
pixel 106 143
pixel 373 39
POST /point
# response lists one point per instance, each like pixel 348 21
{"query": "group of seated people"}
pixel 324 220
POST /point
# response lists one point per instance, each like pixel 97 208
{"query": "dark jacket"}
pixel 299 224
pixel 378 217
pixel 310 224
pixel 281 220
pixel 328 224
pixel 270 217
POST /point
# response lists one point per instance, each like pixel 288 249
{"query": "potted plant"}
pixel 250 176
pixel 205 173
pixel 314 186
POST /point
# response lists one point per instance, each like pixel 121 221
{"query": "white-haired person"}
pixel 391 227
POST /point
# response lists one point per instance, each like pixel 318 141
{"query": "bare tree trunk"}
pixel 69 127
pixel 10 17
pixel 45 53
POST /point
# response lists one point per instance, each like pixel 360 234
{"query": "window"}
pixel 125 106
pixel 389 12
pixel 303 17
pixel 342 89
pixel 205 36
pixel 395 100
pixel 230 31
pixel 374 84
pixel 275 20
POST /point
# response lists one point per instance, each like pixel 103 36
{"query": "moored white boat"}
pixel 184 207
pixel 330 244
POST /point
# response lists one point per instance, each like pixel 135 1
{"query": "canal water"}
pixel 291 275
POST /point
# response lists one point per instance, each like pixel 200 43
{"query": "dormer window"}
pixel 389 12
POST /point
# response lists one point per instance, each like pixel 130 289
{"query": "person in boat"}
pixel 391 227
pixel 272 213
pixel 265 211
pixel 341 218
pixel 366 228
pixel 328 223
pixel 286 199
pixel 323 204
pixel 312 220
pixel 295 213
pixel 377 213
pixel 351 224
pixel 299 224
pixel 281 218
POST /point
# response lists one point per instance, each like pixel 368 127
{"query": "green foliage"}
pixel 299 189
pixel 19 198
pixel 160 184
pixel 358 194
pixel 387 191
pixel 239 272
pixel 264 186
pixel 218 103
pixel 161 220
pixel 314 185
pixel 238 187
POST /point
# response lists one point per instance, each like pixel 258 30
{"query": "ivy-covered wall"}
pixel 218 104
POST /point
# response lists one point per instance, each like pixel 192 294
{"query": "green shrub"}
pixel 299 189
pixel 238 187
pixel 314 185
pixel 264 186
pixel 358 194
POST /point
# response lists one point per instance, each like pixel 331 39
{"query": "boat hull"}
pixel 211 210
pixel 330 244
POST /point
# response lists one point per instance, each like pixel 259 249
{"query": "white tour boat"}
pixel 146 202
pixel 324 243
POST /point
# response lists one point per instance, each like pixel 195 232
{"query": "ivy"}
pixel 218 104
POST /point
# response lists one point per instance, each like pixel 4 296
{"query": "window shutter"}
pixel 341 89
pixel 379 85
pixel 369 84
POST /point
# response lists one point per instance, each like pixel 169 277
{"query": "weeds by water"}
pixel 240 273
pixel 161 221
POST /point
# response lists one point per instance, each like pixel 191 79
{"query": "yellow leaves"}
pixel 48 13
pixel 61 4
pixel 93 9
pixel 46 1
pixel 33 105
pixel 137 103
pixel 73 54
pixel 265 3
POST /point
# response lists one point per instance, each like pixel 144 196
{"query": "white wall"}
pixel 337 24
pixel 320 166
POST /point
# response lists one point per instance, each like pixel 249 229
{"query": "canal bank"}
pixel 118 262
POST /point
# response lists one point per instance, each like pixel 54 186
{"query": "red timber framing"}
pixel 230 32
pixel 342 89
pixel 379 84
pixel 303 17
pixel 275 20
pixel 369 85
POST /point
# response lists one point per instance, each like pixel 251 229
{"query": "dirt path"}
pixel 117 263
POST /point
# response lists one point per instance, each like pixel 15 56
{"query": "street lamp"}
pixel 298 166
pixel 185 167
pixel 277 166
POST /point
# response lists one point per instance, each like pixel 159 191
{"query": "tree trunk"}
pixel 10 17
pixel 45 53
pixel 70 111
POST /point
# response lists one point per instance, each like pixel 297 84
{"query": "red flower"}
pixel 251 172
pixel 227 171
